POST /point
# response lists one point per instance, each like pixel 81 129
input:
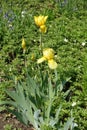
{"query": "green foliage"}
pixel 10 127
pixel 67 35
pixel 32 103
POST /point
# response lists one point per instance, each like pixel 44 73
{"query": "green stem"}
pixel 25 61
pixel 41 45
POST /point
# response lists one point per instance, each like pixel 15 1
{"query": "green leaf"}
pixel 68 124
pixel 9 103
pixel 47 112
pixel 33 89
pixel 55 121
pixel 57 113
pixel 21 117
pixel 13 95
pixel 50 90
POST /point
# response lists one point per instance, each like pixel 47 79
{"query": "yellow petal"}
pixel 52 64
pixel 41 60
pixel 48 53
pixel 23 44
pixel 45 18
pixel 40 20
pixel 43 28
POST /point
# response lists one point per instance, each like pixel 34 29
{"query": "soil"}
pixel 6 118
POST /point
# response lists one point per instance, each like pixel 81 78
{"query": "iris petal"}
pixel 52 64
pixel 40 20
pixel 43 28
pixel 42 59
pixel 48 53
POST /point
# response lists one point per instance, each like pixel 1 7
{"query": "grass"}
pixel 66 34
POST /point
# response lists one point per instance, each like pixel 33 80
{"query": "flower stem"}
pixel 41 45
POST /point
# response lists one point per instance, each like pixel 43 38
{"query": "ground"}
pixel 6 118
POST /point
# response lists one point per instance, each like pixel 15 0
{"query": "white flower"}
pixel 65 40
pixel 74 125
pixel 23 13
pixel 10 25
pixel 10 69
pixel 73 104
pixel 83 43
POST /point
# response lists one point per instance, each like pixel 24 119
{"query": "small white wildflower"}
pixel 23 13
pixel 83 43
pixel 73 104
pixel 65 40
pixel 74 125
pixel 10 25
pixel 10 69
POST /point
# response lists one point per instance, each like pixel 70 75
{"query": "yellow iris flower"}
pixel 23 45
pixel 40 20
pixel 43 28
pixel 48 54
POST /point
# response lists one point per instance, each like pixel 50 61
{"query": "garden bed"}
pixel 9 122
pixel 59 46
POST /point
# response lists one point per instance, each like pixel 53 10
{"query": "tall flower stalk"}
pixel 41 44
